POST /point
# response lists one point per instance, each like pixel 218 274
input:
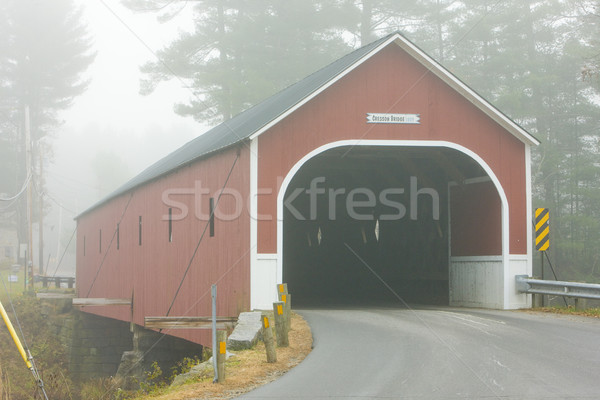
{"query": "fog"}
pixel 111 132
pixel 536 61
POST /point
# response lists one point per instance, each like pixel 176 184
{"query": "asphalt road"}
pixel 444 353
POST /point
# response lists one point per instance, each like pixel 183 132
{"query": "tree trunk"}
pixel 366 34
pixel 226 107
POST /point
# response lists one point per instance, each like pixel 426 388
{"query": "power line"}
pixel 170 70
pixel 64 252
pixel 8 206
pixel 203 233
pixel 42 193
pixel 109 246
pixel 23 188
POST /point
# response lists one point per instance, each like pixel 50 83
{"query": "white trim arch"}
pixel 401 143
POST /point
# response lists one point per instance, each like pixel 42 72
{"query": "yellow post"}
pixel 15 338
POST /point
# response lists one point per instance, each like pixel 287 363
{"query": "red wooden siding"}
pixel 391 81
pixel 153 271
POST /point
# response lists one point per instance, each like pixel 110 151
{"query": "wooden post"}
pixel 287 299
pixel 280 324
pixel 580 304
pixel 267 335
pixel 221 354
pixel 281 290
pixel 284 295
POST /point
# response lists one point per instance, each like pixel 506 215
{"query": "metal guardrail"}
pixel 580 290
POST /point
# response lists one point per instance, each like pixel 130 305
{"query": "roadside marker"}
pixel 542 229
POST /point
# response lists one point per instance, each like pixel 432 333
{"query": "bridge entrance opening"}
pixel 371 225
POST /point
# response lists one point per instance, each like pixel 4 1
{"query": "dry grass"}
pixel 4 385
pixel 248 369
pixel 570 310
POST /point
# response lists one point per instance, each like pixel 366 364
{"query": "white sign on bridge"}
pixel 377 118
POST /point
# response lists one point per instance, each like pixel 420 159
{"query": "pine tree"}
pixel 45 51
pixel 242 51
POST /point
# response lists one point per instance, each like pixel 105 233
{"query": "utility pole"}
pixel 29 263
pixel 41 216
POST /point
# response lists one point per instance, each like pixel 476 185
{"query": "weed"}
pixel 45 347
pixel 183 366
pixel 588 312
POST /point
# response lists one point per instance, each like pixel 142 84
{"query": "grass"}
pixel 14 288
pixel 245 371
pixel 570 310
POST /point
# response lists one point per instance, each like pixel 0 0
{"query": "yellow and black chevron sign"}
pixel 542 229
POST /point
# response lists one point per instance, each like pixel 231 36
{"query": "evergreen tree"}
pixel 243 51
pixel 526 58
pixel 44 52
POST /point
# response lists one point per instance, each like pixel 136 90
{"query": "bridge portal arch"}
pixel 372 220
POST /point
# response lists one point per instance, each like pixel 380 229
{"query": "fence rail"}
pixel 58 280
pixel 558 288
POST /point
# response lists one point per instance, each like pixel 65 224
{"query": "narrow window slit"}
pixel 170 225
pixel 212 216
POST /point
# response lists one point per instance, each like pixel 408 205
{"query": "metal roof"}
pixel 257 119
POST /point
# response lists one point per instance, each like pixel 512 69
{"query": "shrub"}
pixel 50 356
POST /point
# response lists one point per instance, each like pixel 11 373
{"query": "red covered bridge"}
pixel 380 166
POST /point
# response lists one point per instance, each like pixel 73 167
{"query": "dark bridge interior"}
pixel 369 226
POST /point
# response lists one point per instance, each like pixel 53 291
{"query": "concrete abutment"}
pixel 100 347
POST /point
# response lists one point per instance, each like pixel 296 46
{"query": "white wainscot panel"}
pixel 518 265
pixel 263 281
pixel 476 281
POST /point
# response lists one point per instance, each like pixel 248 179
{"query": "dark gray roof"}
pixel 243 125
pixel 255 119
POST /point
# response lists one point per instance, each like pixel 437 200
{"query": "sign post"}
pixel 542 234
pixel 213 295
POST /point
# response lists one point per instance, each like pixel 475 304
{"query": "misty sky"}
pixel 111 119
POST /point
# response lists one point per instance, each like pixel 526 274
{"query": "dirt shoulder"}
pixel 248 369
pixel 570 310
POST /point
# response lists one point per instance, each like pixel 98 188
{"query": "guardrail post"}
pixel 536 300
pixel 280 324
pixel 221 355
pixel 580 304
pixel 267 336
